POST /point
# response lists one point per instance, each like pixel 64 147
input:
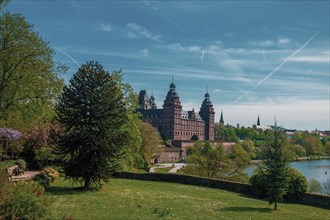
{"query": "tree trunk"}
pixel 87 183
pixel 275 205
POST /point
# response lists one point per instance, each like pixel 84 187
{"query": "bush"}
pixel 21 164
pixel 297 184
pixel 51 172
pixel 47 176
pixel 21 200
pixel 43 179
pixel 258 181
pixel 23 205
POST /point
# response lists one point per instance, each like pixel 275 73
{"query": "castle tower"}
pixel 221 119
pixel 144 101
pixel 207 114
pixel 258 121
pixel 172 109
pixel 152 102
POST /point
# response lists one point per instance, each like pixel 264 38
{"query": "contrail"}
pixel 277 68
pixel 263 53
pixel 67 55
pixel 202 57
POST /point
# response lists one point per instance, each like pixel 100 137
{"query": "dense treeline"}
pixel 299 144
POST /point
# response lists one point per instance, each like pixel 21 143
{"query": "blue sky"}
pixel 255 57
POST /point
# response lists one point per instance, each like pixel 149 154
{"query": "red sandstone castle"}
pixel 173 123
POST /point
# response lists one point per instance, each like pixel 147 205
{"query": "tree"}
pixel 314 186
pixel 313 145
pixel 276 166
pixel 29 78
pixel 133 158
pixel 93 113
pixel 151 141
pixel 327 147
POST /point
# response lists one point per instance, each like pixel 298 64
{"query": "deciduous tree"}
pixel 29 78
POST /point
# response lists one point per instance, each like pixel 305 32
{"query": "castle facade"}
pixel 175 124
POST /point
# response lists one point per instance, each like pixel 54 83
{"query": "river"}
pixel 317 169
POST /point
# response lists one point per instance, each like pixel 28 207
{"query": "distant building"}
pixel 174 123
pixel 222 122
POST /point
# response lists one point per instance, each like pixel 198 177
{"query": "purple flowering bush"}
pixel 9 134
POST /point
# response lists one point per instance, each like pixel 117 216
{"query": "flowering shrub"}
pixel 51 172
pixel 46 176
pixel 9 134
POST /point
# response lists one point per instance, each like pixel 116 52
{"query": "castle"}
pixel 175 124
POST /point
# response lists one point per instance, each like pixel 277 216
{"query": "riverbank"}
pixel 311 158
pixel 315 157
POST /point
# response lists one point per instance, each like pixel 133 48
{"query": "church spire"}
pixel 258 121
pixel 221 119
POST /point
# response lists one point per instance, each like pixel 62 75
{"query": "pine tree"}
pixel 92 112
pixel 276 167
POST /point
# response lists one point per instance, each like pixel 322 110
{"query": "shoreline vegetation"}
pixel 313 157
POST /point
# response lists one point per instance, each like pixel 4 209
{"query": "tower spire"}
pixel 258 121
pixel 221 119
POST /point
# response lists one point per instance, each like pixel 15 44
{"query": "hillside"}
pixel 132 199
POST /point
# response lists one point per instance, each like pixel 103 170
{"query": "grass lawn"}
pixel 134 199
pixel 163 169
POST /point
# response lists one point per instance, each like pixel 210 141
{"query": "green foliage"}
pixel 134 199
pixel 133 158
pixel 276 166
pixel 151 143
pixel 23 205
pixel 313 145
pixel 93 113
pixel 43 179
pixel 314 186
pixel 20 200
pixel 296 185
pixel 327 147
pixel 29 79
pixel 39 145
pixel 21 164
pixel 47 176
pixel 212 162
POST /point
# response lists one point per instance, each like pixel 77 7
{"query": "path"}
pixel 25 176
pixel 176 167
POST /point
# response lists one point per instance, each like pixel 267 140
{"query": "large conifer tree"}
pixel 92 112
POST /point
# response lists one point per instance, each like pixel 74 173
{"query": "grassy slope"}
pixel 132 199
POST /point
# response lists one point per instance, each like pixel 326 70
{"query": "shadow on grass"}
pixel 61 190
pixel 247 209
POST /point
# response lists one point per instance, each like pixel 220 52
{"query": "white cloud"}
pixel 312 59
pixel 290 113
pixel 264 43
pixel 282 41
pixel 178 47
pixel 104 27
pixel 143 32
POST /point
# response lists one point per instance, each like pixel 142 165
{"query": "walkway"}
pixel 176 167
pixel 27 175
